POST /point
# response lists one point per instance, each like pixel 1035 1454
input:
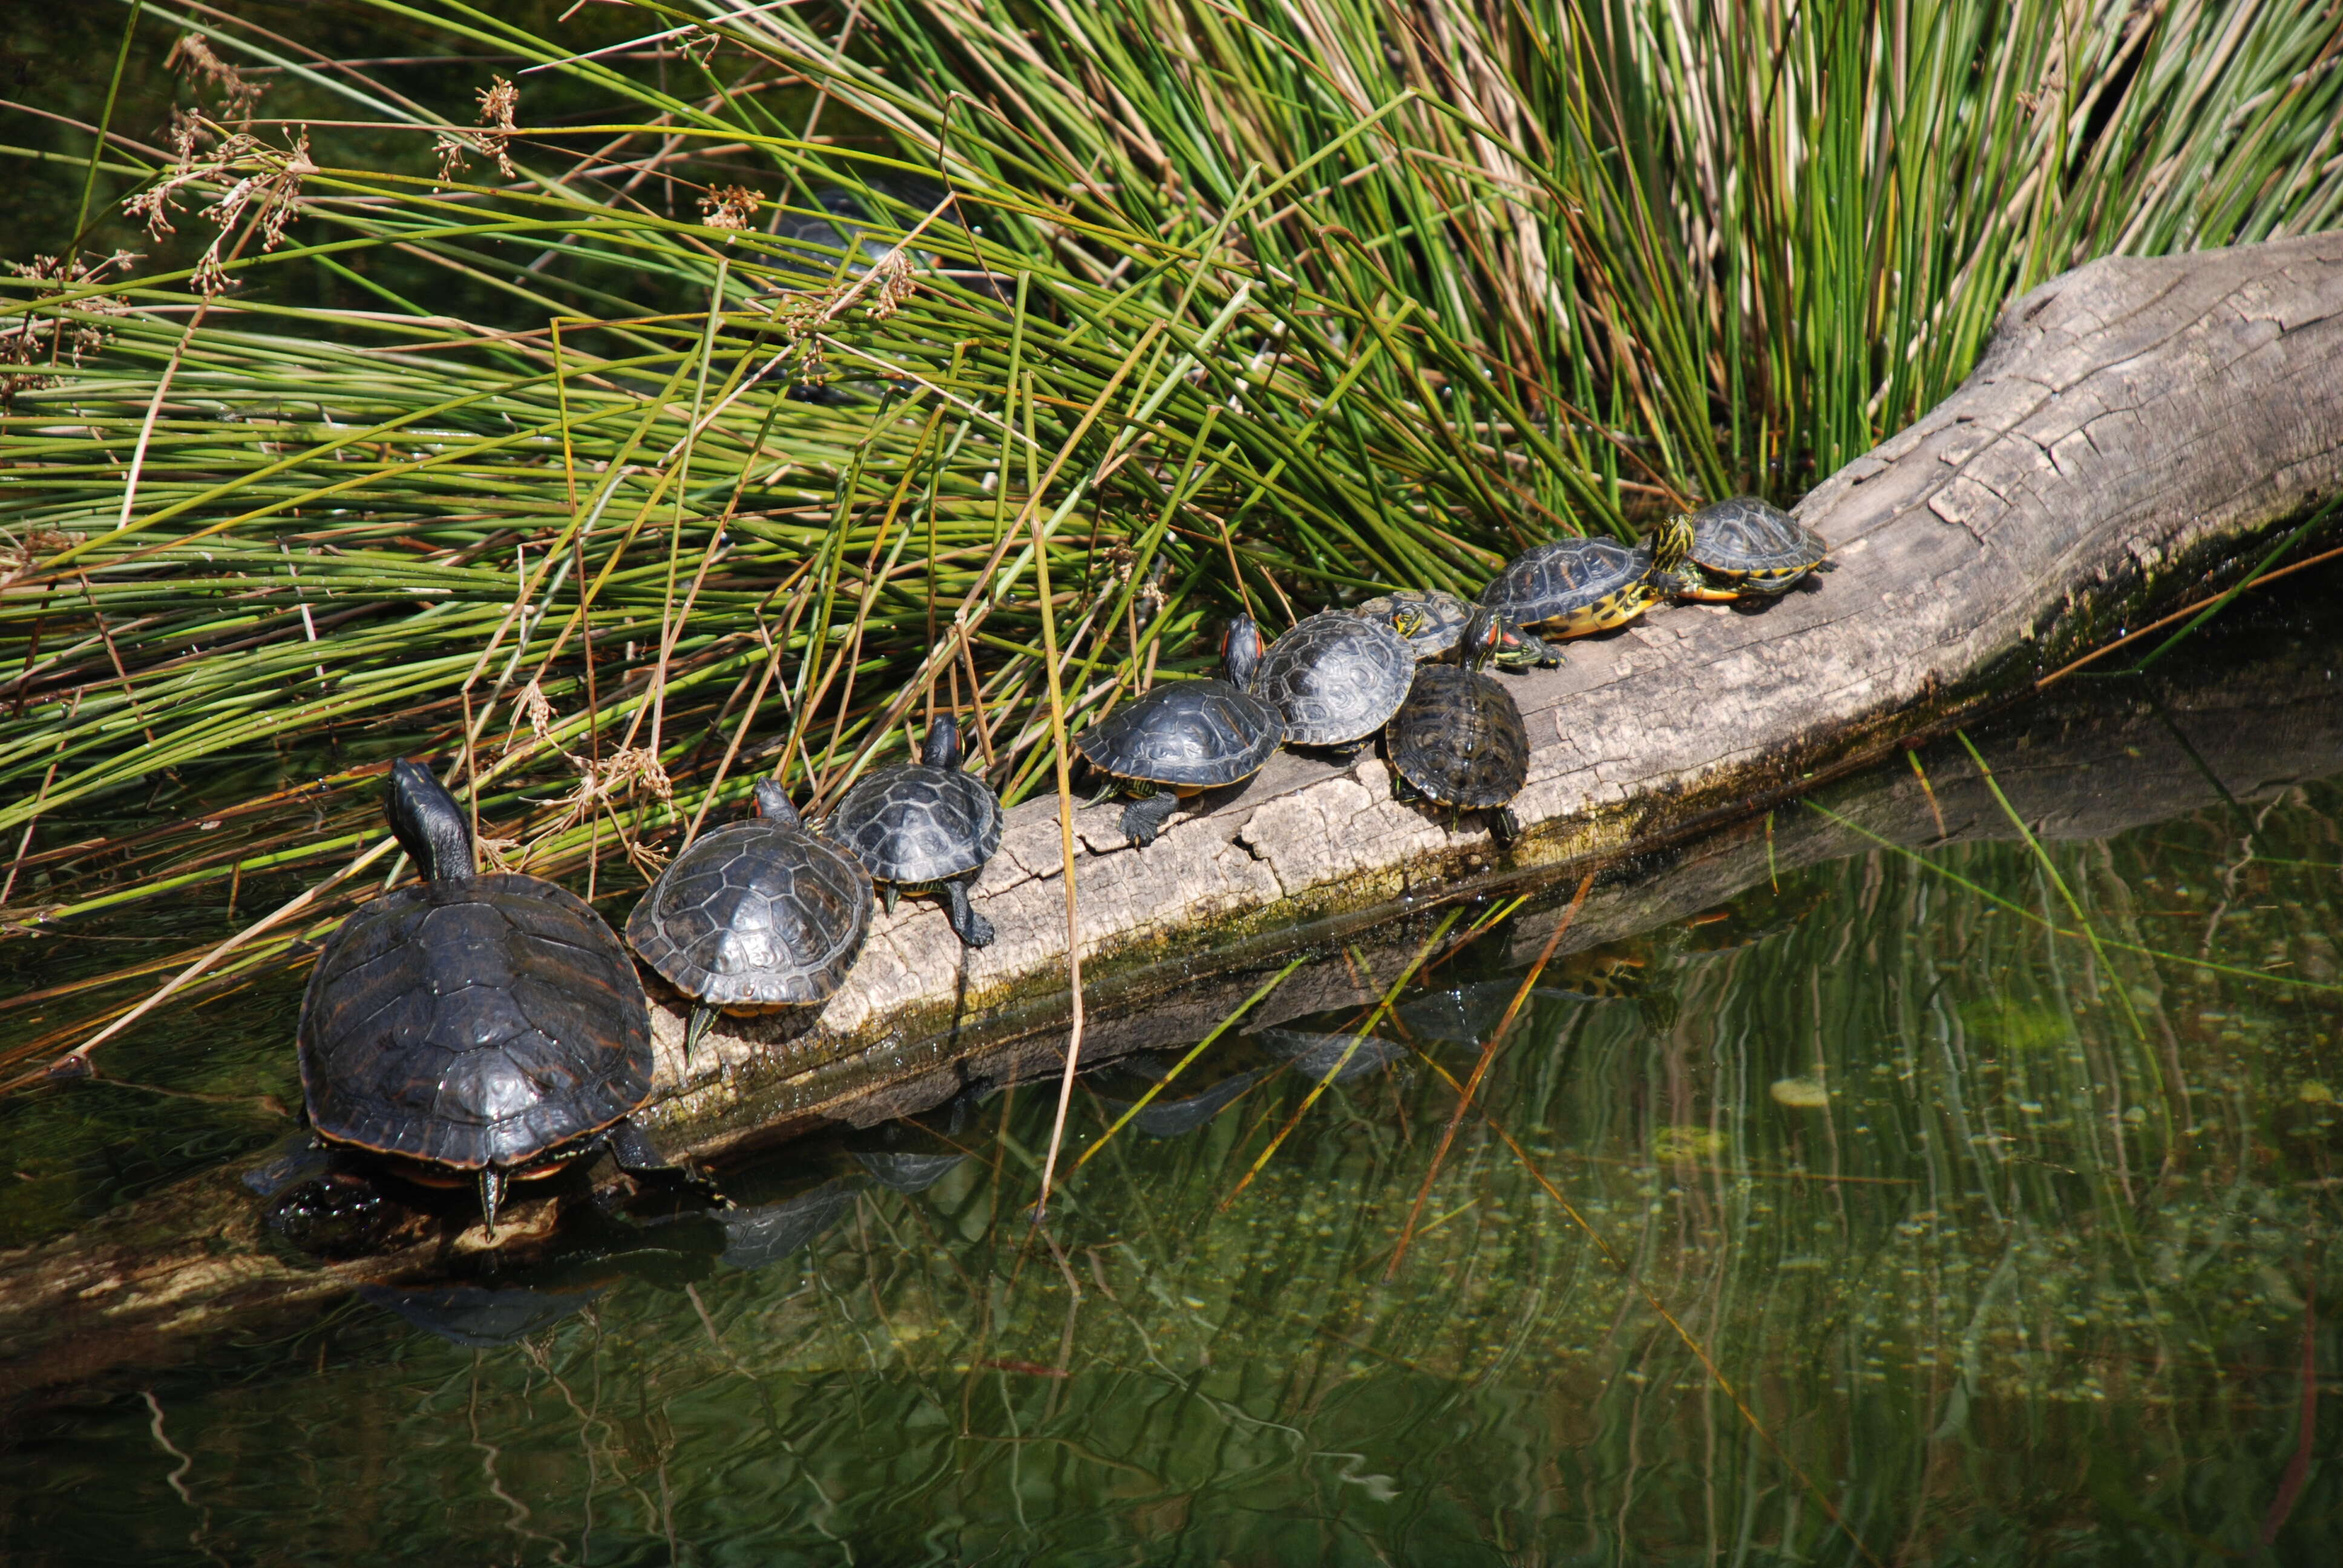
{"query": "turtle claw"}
pixel 972 929
pixel 1143 820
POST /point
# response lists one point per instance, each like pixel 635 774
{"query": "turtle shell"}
pixel 1189 734
pixel 755 914
pixel 1746 538
pixel 1431 621
pixel 473 1023
pixel 1459 739
pixel 1574 586
pixel 914 823
pixel 1335 678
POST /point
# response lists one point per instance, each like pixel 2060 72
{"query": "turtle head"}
pixel 773 803
pixel 1671 544
pixel 942 750
pixel 429 824
pixel 1485 634
pixel 1241 650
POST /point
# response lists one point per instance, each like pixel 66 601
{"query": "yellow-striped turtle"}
pixel 754 916
pixel 1574 586
pixel 1186 736
pixel 1745 547
pixel 469 1027
pixel 1458 740
pixel 924 827
pixel 1433 622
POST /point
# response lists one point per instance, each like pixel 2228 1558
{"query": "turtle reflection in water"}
pixel 754 916
pixel 1186 736
pixel 1458 738
pixel 463 1027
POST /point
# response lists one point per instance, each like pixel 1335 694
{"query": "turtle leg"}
pixel 1143 818
pixel 634 1156
pixel 972 929
pixel 1349 749
pixel 1401 789
pixel 1505 827
pixel 702 1015
pixel 887 893
pixel 492 1196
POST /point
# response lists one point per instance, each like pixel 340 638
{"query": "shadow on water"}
pixel 1867 1184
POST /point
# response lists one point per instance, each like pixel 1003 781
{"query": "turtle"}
pixel 1334 679
pixel 1458 738
pixel 469 1025
pixel 1186 736
pixel 1745 548
pixel 1433 621
pixel 754 916
pixel 1573 586
pixel 924 827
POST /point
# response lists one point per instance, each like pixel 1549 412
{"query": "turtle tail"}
pixel 492 1196
pixel 702 1016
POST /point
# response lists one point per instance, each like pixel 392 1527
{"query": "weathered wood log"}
pixel 156 1281
pixel 2131 424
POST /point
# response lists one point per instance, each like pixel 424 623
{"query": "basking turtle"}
pixel 1433 622
pixel 1186 736
pixel 754 915
pixel 1458 738
pixel 1745 547
pixel 924 828
pixel 469 1025
pixel 1335 678
pixel 1573 586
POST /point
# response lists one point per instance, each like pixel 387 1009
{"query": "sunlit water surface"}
pixel 1962 1205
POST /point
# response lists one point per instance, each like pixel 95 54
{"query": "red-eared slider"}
pixel 1745 547
pixel 1573 586
pixel 488 1025
pixel 1334 679
pixel 1433 624
pixel 924 828
pixel 1458 738
pixel 1186 736
pixel 754 915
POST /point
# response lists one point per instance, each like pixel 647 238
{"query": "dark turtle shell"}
pixel 755 914
pixel 923 821
pixel 478 1022
pixel 1745 545
pixel 1189 734
pixel 1572 586
pixel 1459 739
pixel 1335 678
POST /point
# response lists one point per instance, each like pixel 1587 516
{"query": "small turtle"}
pixel 1334 679
pixel 1186 736
pixel 1743 548
pixel 468 1025
pixel 754 916
pixel 1573 586
pixel 1458 738
pixel 924 828
pixel 1433 622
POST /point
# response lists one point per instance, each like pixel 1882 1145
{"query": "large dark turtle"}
pixel 1458 738
pixel 1745 547
pixel 1186 736
pixel 1433 621
pixel 1573 586
pixel 483 1025
pixel 924 828
pixel 754 916
pixel 1335 678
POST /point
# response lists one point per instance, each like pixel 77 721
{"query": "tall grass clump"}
pixel 620 405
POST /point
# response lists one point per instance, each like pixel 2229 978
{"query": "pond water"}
pixel 1911 1192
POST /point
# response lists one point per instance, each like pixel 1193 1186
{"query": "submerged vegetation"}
pixel 642 400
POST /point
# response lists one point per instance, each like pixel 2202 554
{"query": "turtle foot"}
pixel 972 929
pixel 1143 820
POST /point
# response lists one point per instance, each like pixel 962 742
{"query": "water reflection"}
pixel 1902 1189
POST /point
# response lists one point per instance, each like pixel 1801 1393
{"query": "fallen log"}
pixel 157 1280
pixel 2131 425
